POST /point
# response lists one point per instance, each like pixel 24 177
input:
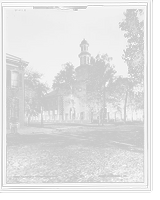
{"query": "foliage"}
pixel 88 84
pixel 100 75
pixel 133 26
pixel 115 97
pixel 64 81
pixel 90 97
pixel 34 93
pixel 119 93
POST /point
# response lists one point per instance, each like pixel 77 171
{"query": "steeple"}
pixel 84 55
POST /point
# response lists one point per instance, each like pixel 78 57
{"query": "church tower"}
pixel 82 73
pixel 85 57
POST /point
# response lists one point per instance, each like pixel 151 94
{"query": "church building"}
pixel 77 109
pixel 72 107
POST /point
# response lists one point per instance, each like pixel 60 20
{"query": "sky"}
pixel 48 38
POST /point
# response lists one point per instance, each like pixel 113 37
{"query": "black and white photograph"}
pixel 76 109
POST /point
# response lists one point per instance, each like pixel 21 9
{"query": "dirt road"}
pixel 110 135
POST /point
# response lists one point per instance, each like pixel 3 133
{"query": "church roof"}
pixel 53 93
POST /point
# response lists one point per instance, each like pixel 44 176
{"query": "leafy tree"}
pixel 65 83
pixel 115 95
pixel 124 94
pixel 135 104
pixel 133 26
pixel 35 91
pixel 100 75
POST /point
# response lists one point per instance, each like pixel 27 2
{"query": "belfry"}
pixel 85 58
pixel 84 55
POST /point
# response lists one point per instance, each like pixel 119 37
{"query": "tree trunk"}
pixel 131 115
pixel 125 104
pixel 136 115
pixel 121 116
pixel 99 118
pixel 102 118
pixel 108 117
pixel 115 116
pixel 29 119
pixel 42 117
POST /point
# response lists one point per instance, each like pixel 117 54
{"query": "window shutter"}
pixel 20 80
pixel 9 108
pixel 17 108
pixel 8 78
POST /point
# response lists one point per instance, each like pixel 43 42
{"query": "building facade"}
pixel 15 110
pixel 53 106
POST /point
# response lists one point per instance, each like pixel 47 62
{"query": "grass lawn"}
pixel 77 154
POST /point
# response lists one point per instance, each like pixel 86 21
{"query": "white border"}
pixel 147 126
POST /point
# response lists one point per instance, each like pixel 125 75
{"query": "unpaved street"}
pixel 110 135
pixel 66 154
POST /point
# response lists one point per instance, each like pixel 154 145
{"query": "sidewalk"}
pixel 32 130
